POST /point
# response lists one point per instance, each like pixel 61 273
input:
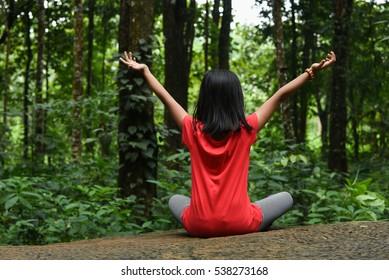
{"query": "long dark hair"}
pixel 220 105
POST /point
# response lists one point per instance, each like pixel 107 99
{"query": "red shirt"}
pixel 220 204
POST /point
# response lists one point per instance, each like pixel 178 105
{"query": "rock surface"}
pixel 353 240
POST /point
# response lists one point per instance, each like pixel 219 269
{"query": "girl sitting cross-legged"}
pixel 219 137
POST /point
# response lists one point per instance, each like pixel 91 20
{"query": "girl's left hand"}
pixel 325 63
pixel 130 61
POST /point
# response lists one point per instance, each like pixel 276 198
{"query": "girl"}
pixel 219 137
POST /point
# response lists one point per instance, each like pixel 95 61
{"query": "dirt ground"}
pixel 353 240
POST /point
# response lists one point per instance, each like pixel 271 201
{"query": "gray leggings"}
pixel 272 207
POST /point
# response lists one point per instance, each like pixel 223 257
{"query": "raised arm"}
pixel 265 112
pixel 178 113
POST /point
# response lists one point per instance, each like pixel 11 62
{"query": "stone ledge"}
pixel 351 240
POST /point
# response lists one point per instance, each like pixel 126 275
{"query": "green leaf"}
pixel 36 195
pixel 147 224
pixel 132 129
pixel 90 140
pixel 365 198
pixel 284 162
pixel 279 178
pixel 25 202
pixel 124 81
pixel 80 219
pixel 316 171
pixel 323 209
pixel 141 145
pixel 303 159
pixel 274 184
pixel 138 81
pixel 71 206
pixel 383 39
pixel 11 202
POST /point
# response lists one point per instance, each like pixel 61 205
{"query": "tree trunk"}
pixel 206 36
pixel 26 101
pixel 322 111
pixel 91 25
pixel 178 28
pixel 286 114
pixel 4 125
pixel 354 117
pixel 77 81
pixel 47 78
pixel 224 36
pixel 106 17
pixel 39 112
pixel 294 98
pixel 337 159
pixel 307 59
pixel 137 137
pixel 214 34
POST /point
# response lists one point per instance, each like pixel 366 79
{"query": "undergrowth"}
pixel 84 202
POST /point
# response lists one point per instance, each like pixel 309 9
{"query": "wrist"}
pixel 310 73
pixel 144 68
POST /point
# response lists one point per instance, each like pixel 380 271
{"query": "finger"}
pixel 122 60
pixel 130 55
pixel 126 55
pixel 332 56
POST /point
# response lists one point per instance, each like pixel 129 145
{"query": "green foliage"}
pixel 352 203
pixel 39 211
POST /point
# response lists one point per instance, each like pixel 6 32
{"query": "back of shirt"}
pixel 220 204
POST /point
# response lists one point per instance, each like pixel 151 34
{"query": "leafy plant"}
pixel 353 202
pixel 31 213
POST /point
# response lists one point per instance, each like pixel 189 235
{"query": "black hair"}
pixel 220 106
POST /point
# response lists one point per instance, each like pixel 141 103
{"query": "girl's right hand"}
pixel 130 61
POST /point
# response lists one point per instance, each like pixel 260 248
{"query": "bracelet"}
pixel 310 72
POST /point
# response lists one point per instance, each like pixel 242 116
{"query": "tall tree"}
pixel 137 138
pixel 286 114
pixel 224 35
pixel 322 112
pixel 77 80
pixel 178 28
pixel 294 98
pixel 91 26
pixel 337 159
pixel 308 15
pixel 39 112
pixel 214 35
pixel 206 36
pixel 26 98
pixel 4 125
pixel 217 35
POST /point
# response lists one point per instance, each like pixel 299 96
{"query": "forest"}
pixel 87 150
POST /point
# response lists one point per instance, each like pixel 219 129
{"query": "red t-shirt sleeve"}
pixel 187 131
pixel 252 120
